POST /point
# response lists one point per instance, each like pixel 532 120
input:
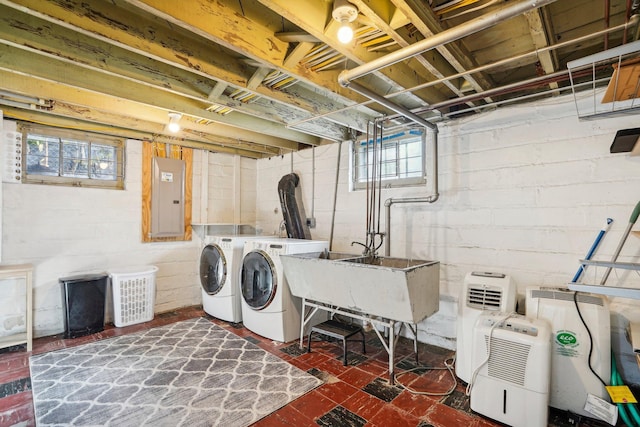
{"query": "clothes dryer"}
pixel 268 308
pixel 220 264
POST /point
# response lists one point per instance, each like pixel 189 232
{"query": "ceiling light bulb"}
pixel 345 33
pixel 173 125
pixel 345 13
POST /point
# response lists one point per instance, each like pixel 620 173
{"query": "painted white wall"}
pixel 523 190
pixel 65 231
pixel 229 191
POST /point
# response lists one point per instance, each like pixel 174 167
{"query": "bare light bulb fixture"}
pixel 174 125
pixel 345 13
pixel 345 33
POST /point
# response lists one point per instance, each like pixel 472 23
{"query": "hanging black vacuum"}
pixel 295 218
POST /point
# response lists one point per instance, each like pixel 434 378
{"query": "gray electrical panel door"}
pixel 167 197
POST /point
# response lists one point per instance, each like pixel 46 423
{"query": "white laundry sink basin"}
pixel 398 289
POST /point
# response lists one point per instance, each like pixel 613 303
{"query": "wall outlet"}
pixel 311 222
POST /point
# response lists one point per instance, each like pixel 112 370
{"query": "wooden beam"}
pixel 296 55
pixel 539 38
pixel 58 42
pixel 50 119
pixel 257 77
pixel 217 90
pixel 100 108
pixel 296 37
pixel 427 24
pixel 218 22
pixel 317 21
pixel 37 65
pixel 384 24
pixel 151 37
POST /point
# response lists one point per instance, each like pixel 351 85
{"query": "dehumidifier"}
pixel 513 385
pixel 482 291
pixel 571 378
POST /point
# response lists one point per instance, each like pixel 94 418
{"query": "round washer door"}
pixel 259 281
pixel 213 269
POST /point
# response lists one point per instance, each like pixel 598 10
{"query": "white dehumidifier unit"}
pixel 512 357
pixel 571 378
pixel 481 291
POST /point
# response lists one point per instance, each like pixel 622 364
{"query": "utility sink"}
pixel 404 290
pixel 399 263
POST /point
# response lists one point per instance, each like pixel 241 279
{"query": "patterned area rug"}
pixel 190 373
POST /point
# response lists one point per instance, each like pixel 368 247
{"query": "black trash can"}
pixel 84 299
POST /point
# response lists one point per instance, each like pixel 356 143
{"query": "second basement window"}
pixel 400 157
pixel 73 158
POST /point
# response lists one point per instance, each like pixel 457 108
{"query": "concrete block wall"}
pixel 230 189
pixel 65 231
pixel 523 190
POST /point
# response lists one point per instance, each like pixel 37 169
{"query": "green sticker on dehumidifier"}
pixel 567 342
pixel 566 339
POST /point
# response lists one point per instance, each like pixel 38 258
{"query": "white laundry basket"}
pixel 134 294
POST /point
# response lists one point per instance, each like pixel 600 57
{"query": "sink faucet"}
pixel 367 250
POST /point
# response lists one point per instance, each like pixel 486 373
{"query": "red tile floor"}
pixel 358 394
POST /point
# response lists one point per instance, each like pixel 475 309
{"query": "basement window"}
pixel 400 157
pixel 72 158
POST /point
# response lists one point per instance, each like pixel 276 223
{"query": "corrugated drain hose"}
pixel 616 379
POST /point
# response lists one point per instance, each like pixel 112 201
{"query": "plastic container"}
pixel 84 298
pixel 134 294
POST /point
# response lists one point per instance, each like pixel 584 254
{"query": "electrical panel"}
pixel 167 197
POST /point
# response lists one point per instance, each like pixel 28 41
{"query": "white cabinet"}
pixel 16 305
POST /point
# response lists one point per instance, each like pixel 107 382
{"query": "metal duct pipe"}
pixel 345 79
pixel 447 36
pixel 632 21
pixel 542 80
pixel 427 199
pixel 392 106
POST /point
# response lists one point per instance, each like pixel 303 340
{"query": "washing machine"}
pixel 268 308
pixel 220 264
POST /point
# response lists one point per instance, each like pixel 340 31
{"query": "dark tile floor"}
pixel 358 394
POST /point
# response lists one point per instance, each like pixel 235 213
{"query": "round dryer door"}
pixel 259 280
pixel 213 269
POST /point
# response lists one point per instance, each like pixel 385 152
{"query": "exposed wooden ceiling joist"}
pixel 455 54
pixel 261 76
pixel 245 150
pixel 116 111
pixel 432 63
pixel 149 38
pixel 317 21
pixel 538 35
